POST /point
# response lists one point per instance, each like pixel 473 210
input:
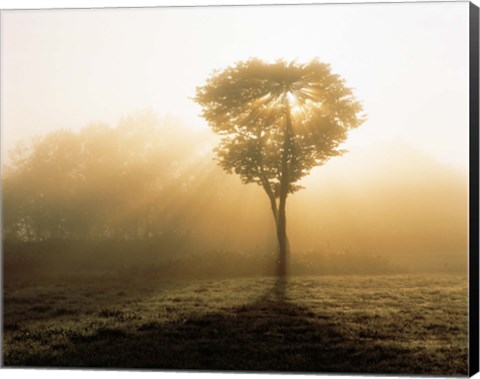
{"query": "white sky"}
pixel 408 63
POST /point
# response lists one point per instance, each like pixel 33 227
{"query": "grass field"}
pixel 370 324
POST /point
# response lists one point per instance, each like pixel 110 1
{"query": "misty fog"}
pixel 148 191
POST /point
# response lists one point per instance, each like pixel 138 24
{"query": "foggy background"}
pixel 148 191
pixel 120 174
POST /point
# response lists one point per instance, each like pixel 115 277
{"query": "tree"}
pixel 278 121
pixel 101 182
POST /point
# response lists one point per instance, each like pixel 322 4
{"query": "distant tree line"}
pixel 126 182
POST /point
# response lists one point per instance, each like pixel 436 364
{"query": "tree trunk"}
pixel 284 186
pixel 284 249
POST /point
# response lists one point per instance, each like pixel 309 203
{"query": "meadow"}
pixel 402 324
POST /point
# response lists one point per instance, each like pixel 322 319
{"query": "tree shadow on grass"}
pixel 270 334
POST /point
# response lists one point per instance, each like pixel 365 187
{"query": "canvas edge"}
pixel 473 334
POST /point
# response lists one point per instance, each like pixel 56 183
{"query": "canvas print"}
pixel 258 188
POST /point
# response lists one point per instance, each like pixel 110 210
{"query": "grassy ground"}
pixel 368 324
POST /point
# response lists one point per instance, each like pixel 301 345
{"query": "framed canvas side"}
pixel 474 192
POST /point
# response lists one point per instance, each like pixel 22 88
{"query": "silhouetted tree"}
pixel 277 121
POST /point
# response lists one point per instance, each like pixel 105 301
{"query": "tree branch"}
pixel 265 183
pixel 268 189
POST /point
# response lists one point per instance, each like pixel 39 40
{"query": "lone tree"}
pixel 278 121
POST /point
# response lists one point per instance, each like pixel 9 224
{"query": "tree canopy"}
pixel 249 105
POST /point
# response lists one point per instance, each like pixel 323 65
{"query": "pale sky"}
pixel 407 63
